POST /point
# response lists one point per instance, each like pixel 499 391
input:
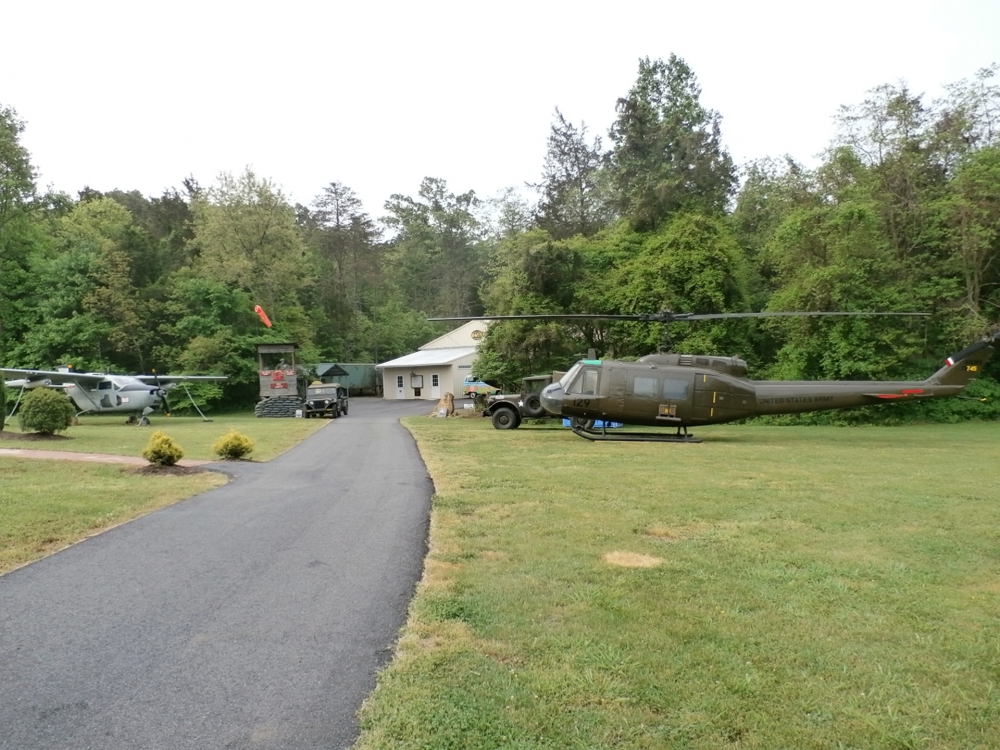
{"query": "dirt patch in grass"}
pixel 32 437
pixel 632 560
pixel 168 471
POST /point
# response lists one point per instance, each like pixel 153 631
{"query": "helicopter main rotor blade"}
pixel 667 316
pixel 545 316
pixel 718 316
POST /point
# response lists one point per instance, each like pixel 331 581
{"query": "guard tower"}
pixel 276 369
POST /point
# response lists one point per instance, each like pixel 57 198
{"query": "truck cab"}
pixel 325 400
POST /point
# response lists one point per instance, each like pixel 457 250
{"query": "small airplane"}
pixel 684 390
pixel 136 396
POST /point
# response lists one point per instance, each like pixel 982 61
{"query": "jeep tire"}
pixel 506 418
pixel 533 406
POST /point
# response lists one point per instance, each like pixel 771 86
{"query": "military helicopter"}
pixel 136 396
pixel 679 391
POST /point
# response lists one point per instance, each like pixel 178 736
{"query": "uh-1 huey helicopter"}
pixel 679 391
pixel 136 396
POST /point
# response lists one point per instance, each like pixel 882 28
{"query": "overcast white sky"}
pixel 377 95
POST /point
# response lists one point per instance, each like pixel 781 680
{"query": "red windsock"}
pixel 263 315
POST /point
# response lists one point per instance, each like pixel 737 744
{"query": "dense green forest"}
pixel 901 214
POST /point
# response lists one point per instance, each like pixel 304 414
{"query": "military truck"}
pixel 325 400
pixel 508 411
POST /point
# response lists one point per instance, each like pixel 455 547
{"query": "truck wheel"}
pixel 345 410
pixel 533 406
pixel 335 413
pixel 506 418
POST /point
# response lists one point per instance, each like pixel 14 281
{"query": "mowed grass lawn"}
pixel 110 434
pixel 772 587
pixel 47 504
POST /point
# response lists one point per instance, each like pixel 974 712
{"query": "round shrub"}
pixel 45 410
pixel 233 445
pixel 162 450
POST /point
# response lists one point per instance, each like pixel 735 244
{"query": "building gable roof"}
pixel 464 335
pixel 430 357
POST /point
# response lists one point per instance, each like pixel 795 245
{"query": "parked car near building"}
pixel 473 387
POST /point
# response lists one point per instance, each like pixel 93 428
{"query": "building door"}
pixel 435 385
pixel 400 392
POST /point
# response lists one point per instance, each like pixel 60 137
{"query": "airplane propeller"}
pixel 162 393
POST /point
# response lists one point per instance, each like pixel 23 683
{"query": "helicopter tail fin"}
pixel 962 368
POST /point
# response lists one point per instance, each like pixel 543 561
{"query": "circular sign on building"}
pixel 476 335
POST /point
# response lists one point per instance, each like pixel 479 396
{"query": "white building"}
pixel 436 368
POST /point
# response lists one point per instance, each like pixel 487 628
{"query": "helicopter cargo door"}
pixel 718 399
pixel 657 398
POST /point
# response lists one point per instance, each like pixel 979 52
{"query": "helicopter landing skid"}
pixel 638 437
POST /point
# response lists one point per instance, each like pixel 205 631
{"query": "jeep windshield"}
pixel 332 391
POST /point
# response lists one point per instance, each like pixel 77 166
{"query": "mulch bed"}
pixel 168 471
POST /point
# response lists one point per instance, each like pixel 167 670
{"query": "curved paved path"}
pixel 252 616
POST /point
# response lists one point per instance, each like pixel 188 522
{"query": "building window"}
pixel 399 381
pixel 434 381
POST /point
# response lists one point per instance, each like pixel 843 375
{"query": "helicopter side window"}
pixel 646 387
pixel 675 389
pixel 586 383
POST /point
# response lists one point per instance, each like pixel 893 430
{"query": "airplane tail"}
pixel 962 368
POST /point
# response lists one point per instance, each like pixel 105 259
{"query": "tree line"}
pixel 901 214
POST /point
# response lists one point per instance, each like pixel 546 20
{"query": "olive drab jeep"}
pixel 325 400
pixel 507 411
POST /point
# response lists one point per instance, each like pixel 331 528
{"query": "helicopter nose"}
pixel 551 397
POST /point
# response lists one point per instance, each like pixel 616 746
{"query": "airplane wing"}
pixel 48 377
pixel 172 379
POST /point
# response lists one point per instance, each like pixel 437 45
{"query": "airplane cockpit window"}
pixel 104 385
pixel 675 389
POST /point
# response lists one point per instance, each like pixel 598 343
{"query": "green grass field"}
pixel 106 434
pixel 772 587
pixel 47 504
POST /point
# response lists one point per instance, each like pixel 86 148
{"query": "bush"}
pixel 233 445
pixel 162 450
pixel 46 411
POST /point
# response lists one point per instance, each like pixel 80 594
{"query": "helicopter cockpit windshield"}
pixel 552 395
pixel 584 379
pixel 570 376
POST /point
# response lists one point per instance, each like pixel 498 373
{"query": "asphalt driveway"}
pixel 252 616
